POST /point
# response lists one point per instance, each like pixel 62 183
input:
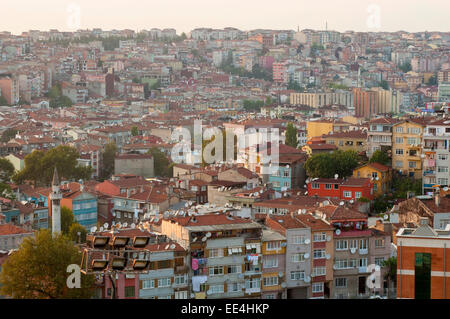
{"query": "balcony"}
pixel 363 251
pixel 362 270
pixel 252 290
pixel 429 173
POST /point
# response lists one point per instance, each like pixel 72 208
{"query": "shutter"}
pixel 140 284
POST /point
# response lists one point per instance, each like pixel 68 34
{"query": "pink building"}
pixel 280 72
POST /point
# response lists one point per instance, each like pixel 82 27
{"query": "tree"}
pixel 67 220
pixel 38 270
pixel 76 228
pixel 401 185
pixel 108 156
pixel 380 157
pixel 6 170
pixel 134 131
pixel 8 134
pixel 40 165
pixel 291 135
pixel 326 165
pixel 162 165
pixel 405 67
pixel 391 274
pixel 384 84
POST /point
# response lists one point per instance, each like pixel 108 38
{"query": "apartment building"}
pixel 351 250
pixel 379 136
pixel 273 265
pixel 9 89
pixel 365 103
pixel 323 127
pixel 319 99
pixel 436 148
pixel 342 188
pixel 422 265
pixel 407 147
pixel 348 141
pixel 290 174
pixel 224 254
pixel 298 253
pixel 381 176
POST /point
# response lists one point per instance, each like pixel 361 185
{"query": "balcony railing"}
pixel 363 251
pixel 362 269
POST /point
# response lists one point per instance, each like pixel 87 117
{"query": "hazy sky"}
pixel 184 15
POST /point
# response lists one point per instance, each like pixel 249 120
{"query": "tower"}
pixel 55 197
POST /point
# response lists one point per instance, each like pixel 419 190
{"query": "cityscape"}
pixel 223 163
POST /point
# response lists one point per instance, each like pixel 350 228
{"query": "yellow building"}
pixel 407 147
pixel 349 140
pixel 323 127
pixel 273 272
pixel 380 174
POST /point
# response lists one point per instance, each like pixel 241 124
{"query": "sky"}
pixel 185 15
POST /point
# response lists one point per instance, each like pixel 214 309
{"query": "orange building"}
pixel 423 267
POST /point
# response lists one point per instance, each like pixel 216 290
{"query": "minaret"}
pixel 55 197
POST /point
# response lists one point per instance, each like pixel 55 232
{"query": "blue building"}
pixel 290 173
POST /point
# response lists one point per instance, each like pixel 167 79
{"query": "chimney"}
pixel 437 198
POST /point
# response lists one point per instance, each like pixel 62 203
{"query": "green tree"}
pixel 405 67
pixel 391 274
pixel 134 131
pixel 6 170
pixel 67 219
pixel 76 228
pixel 380 157
pixel 38 270
pixel 291 135
pixel 40 165
pixel 401 185
pixel 326 165
pixel 8 134
pixel 108 156
pixel 162 165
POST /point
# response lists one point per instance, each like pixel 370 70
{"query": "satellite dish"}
pixel 204 238
pixel 101 228
pixel 353 250
pixel 280 274
pixel 306 256
pixel 338 232
pixel 386 216
pixel 167 247
pixel 172 246
pixel 307 241
pixel 94 229
pixel 133 225
pixel 208 234
pixel 351 201
pixel 194 240
pixel 125 225
pixel 336 176
pixel 341 203
pixel 105 225
pixel 445 189
pixel 156 219
pixel 283 285
pixel 327 256
pixel 114 213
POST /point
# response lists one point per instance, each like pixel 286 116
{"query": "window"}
pixel 164 282
pixel 412 141
pixel 216 253
pixel 286 173
pixel 363 244
pixel 270 296
pixel 399 129
pixel 341 282
pixel 319 271
pixel 379 261
pixel 233 287
pixel 399 164
pixel 319 237
pixel 273 245
pixel 399 140
pixel 129 291
pixel 315 185
pixel 270 281
pixel 319 253
pixel 442 157
pixel 412 164
pixel 443 181
pixel 253 283
pixel 181 294
pixel 148 284
pixel 328 186
pixel 298 239
pixel 341 244
pixel 271 262
pixel 234 269
pixel 442 169
pixel 363 262
pixel 317 287
pixel 399 151
pixel 297 275
pixel 296 258
pixel 358 194
pixel 379 243
pixel 216 289
pixel 352 263
pixel 216 270
pixel 341 263
pixel 347 194
pixel 179 280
